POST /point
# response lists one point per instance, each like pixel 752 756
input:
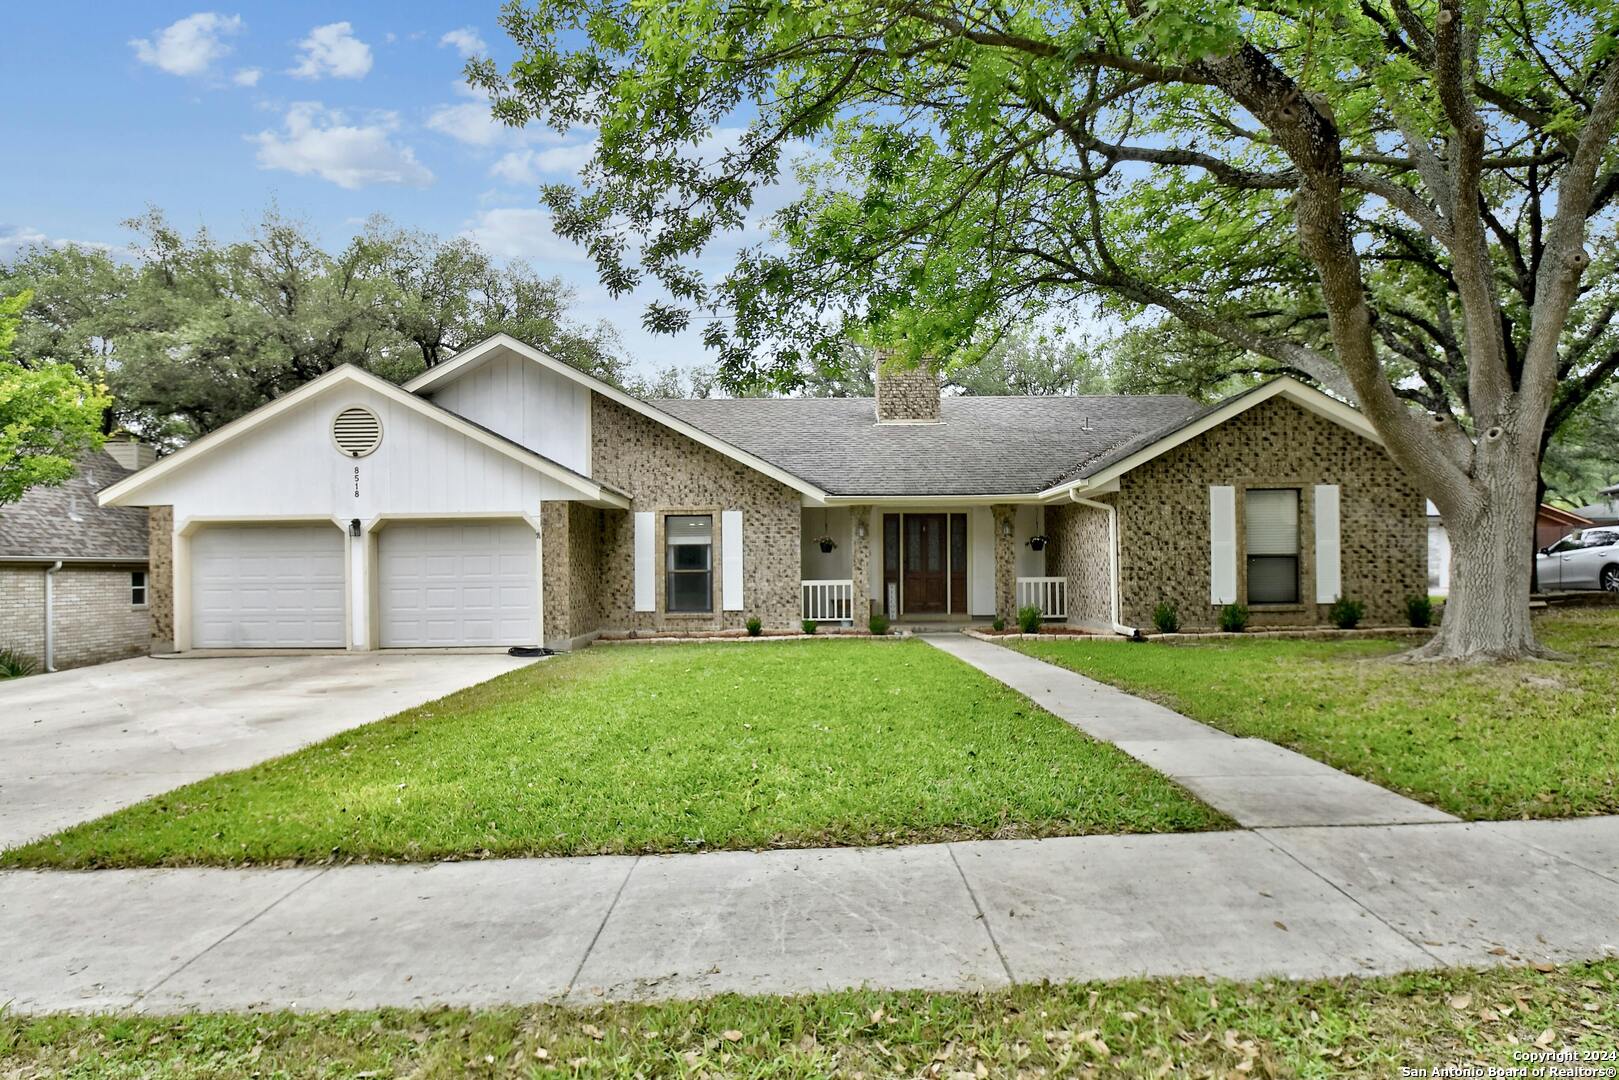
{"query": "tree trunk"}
pixel 1486 615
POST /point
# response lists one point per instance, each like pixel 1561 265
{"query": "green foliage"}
pixel 810 626
pixel 14 665
pixel 878 623
pixel 1419 610
pixel 755 626
pixel 1166 617
pixel 754 746
pixel 1345 613
pixel 193 333
pixel 1029 619
pixel 49 414
pixel 1027 362
pixel 997 624
pixel 1234 618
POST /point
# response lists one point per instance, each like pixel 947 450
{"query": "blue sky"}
pixel 333 111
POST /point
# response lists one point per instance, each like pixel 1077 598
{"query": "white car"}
pixel 1587 559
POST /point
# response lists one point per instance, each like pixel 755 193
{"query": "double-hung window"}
pixel 1272 520
pixel 689 560
pixel 137 588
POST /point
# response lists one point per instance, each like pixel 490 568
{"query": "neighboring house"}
pixel 1603 511
pixel 73 573
pixel 1551 525
pixel 504 498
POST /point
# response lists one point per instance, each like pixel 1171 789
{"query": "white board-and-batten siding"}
pixel 288 466
pixel 544 411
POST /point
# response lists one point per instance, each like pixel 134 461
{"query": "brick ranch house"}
pixel 73 573
pixel 505 498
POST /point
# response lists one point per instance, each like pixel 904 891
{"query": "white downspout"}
pixel 1112 561
pixel 50 616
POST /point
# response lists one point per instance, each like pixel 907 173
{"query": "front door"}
pixel 926 577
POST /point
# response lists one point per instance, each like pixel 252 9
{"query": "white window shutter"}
pixel 1329 582
pixel 646 559
pixel 1222 544
pixel 731 560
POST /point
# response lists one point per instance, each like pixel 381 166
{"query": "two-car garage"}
pixel 437 584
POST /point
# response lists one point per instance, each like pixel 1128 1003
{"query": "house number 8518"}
pixel 356 481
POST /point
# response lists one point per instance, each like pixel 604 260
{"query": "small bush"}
pixel 1419 610
pixel 1234 618
pixel 14 665
pixel 755 627
pixel 1346 613
pixel 1166 617
pixel 809 626
pixel 1029 619
pixel 878 624
pixel 997 624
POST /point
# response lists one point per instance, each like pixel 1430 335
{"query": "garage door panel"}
pixel 449 584
pixel 262 587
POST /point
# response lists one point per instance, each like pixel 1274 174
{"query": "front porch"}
pixel 932 565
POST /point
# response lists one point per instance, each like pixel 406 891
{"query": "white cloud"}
pixel 518 233
pixel 466 41
pixel 470 123
pixel 246 77
pixel 322 142
pixel 529 167
pixel 333 50
pixel 13 238
pixel 189 46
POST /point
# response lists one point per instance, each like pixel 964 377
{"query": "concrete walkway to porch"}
pixel 1254 782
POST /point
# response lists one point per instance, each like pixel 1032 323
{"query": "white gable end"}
pixel 529 404
pixel 289 466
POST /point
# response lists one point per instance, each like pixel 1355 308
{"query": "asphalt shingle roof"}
pixel 66 523
pixel 983 446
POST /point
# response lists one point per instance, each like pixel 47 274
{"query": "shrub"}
pixel 997 624
pixel 809 626
pixel 1346 613
pixel 14 665
pixel 1029 619
pixel 1166 617
pixel 1234 618
pixel 755 627
pixel 878 624
pixel 1419 610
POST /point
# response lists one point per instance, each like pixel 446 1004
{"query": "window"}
pixel 689 557
pixel 137 588
pixel 1272 518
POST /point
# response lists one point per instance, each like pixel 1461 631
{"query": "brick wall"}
pixel 1077 550
pixel 1164 517
pixel 572 535
pixel 160 551
pixel 665 472
pixel 94 620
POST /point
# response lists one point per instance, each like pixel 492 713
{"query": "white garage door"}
pixel 263 587
pixel 458 584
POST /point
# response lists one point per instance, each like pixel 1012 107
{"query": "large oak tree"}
pixel 1402 199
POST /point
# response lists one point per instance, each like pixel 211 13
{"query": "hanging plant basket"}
pixel 1038 543
pixel 827 544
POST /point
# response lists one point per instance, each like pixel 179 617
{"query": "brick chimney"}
pixel 906 394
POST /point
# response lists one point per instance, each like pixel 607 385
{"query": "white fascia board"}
pixel 1282 386
pixel 119 494
pixel 470 358
pixel 928 500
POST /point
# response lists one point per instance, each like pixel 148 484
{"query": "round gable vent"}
pixel 357 431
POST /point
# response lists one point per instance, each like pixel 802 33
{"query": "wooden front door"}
pixel 927 561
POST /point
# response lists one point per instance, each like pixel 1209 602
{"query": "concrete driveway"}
pixel 82 743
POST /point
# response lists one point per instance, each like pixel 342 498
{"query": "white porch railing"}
pixel 1049 594
pixel 828 600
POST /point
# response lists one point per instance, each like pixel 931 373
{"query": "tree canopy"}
pixel 49 414
pixel 193 333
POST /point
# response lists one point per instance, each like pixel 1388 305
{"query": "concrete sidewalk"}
pixel 1292 902
pixel 1254 782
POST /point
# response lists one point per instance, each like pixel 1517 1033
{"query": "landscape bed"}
pixel 1138 1028
pixel 658 749
pixel 1489 742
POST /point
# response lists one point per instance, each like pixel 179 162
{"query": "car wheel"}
pixel 1610 579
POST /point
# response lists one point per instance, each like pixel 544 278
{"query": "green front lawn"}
pixel 660 748
pixel 1137 1028
pixel 1490 742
